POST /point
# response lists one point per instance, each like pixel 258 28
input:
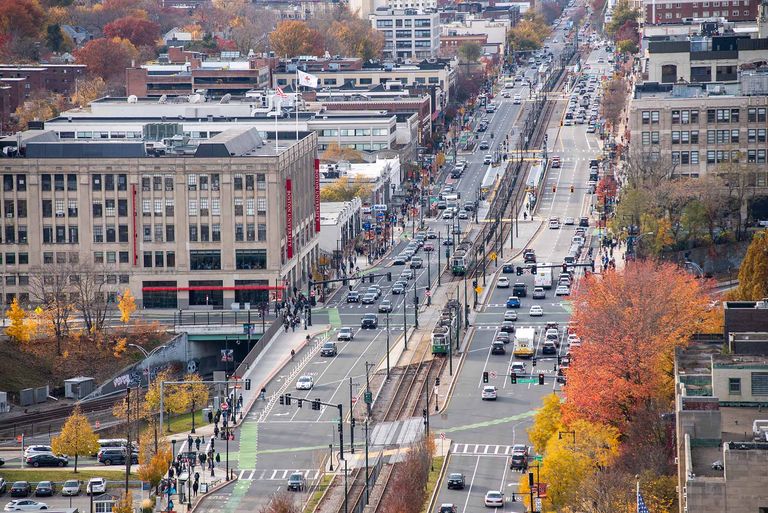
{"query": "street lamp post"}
pixel 429 278
pixel 387 344
pixel 415 303
pixel 405 324
pixel 439 268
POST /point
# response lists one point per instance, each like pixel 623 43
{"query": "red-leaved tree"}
pixel 139 31
pixel 108 59
pixel 630 323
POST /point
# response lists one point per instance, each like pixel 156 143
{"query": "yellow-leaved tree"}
pixel 153 470
pixel 126 305
pixel 124 504
pixel 22 326
pixel 196 390
pixel 545 423
pixel 76 437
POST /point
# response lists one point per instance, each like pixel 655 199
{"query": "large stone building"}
pixel 408 33
pixel 658 12
pixel 232 219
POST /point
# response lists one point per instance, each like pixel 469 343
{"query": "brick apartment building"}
pixel 18 83
pixel 660 13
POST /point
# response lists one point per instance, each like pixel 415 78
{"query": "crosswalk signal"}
pixel 541 378
pixel 282 399
pixel 485 376
pixel 513 378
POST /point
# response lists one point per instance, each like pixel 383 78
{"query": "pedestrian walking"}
pixel 215 432
pixel 194 489
pixel 210 417
pixel 189 442
pixel 218 458
pixel 197 443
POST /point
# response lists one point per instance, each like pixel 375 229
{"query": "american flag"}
pixel 641 507
pixel 279 92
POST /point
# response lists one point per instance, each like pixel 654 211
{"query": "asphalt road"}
pixel 482 432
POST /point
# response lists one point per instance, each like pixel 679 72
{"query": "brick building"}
pixel 682 11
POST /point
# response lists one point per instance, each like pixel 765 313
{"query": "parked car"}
pixel 96 485
pixel 47 460
pixel 70 487
pixel 37 449
pixel 21 489
pixel 116 456
pixel 45 489
pixel 25 505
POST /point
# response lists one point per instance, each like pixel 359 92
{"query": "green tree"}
pixel 627 46
pixel 622 13
pixel 753 273
pixel 76 437
pixel 469 52
pixel 54 38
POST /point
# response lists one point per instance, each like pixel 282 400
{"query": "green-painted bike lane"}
pixel 246 455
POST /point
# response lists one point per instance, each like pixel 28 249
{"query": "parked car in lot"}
pixel 70 488
pixel 25 505
pixel 116 456
pixel 47 460
pixel 96 485
pixel 37 449
pixel 21 489
pixel 45 489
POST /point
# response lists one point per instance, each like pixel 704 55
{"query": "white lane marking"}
pixel 471 483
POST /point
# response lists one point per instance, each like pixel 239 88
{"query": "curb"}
pixel 212 491
pixel 439 482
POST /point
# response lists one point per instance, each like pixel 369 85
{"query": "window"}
pixel 192 208
pixel 646 117
pixel 170 259
pixel 654 138
pixel 111 257
pixel 61 235
pixel 694 137
pixel 675 116
pixel 675 137
pixel 751 115
pixel 122 233
pixel 760 383
pixel 248 182
pixel 251 258
pixel 216 232
pixel 98 257
pixel 203 206
pixel 711 136
pixel 23 234
pixel 98 234
pixel 147 259
pixel 249 206
pixel 157 183
pixel 735 115
pixel 215 183
pixel 23 258
pixel 71 208
pixel 735 135
pixel 58 182
pixel 21 183
pixel 48 209
pixel 204 233
pixel 684 117
pixel 192 233
pixel 262 232
pixel 684 137
pixel 109 182
pixel 261 182
pixel 205 260
pixel 710 156
pixel 45 182
pixel 48 257
pixel 238 183
pixel 147 231
pixel 123 256
pixel 109 207
pixel 191 182
pixel 159 229
pixel 654 116
pixel 711 115
pixel 122 182
pixel 74 235
pixel 158 203
pixel 261 206
pixel 238 207
pixel 145 183
pixel 168 183
pixel 761 156
pixel 646 138
pixel 169 208
pixel 239 232
pixel 216 206
pixel 146 207
pixel 159 259
pixel 71 182
pixel 170 233
pixel 96 182
pixel 250 232
pixel 694 116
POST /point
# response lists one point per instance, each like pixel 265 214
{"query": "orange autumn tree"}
pixel 630 323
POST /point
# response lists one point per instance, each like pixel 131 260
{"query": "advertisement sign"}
pixel 289 218
pixel 317 195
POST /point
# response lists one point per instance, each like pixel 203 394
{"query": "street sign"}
pixel 492 256
pixel 368 397
pixel 479 289
pixel 493 375
pixel 527 380
pixel 354 400
pixel 538 458
pixel 224 406
pixel 442 436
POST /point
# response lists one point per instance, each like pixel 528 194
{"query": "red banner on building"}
pixel 317 195
pixel 289 218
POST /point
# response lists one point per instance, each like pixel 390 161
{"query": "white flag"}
pixel 307 80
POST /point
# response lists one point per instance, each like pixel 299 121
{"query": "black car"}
pixel 519 290
pixel 45 489
pixel 369 321
pixel 508 269
pixel 328 349
pixel 47 460
pixel 116 456
pixel 353 297
pixel 496 348
pixel 584 221
pixel 456 480
pixel 21 489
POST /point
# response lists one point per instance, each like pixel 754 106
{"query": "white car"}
pixel 554 224
pixel 489 393
pixel 517 100
pixel 96 485
pixel 503 283
pixel 510 315
pixel 32 450
pixel 517 367
pixel 574 340
pixel 536 311
pixel 70 487
pixel 305 383
pixel 487 159
pixel 345 334
pixel 494 499
pixel 568 221
pixel 562 290
pixel 25 505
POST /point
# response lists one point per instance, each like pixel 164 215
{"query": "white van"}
pixel 517 99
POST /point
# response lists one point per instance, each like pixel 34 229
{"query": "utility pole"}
pixel 128 437
pixel 439 267
pixel 405 324
pixel 352 420
pixel 368 366
pixel 415 304
pixel 387 346
pixel 367 477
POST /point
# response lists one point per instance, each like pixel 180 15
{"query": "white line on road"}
pixel 471 483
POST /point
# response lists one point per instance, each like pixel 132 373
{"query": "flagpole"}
pixel 637 494
pixel 277 110
pixel 296 103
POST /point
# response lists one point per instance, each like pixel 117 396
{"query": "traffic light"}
pixel 370 278
pixel 353 422
pixel 541 378
pixel 247 383
pixel 565 268
pixel 519 270
pixel 340 427
pixel 571 188
pixel 316 404
pixel 533 361
pixel 592 264
pixel 288 399
pixel 533 269
pixel 389 276
pixel 424 412
pixel 485 376
pixel 282 400
pixel 554 188
pixel 298 402
pixel 345 282
pixel 437 382
pixel 513 378
pixel 474 284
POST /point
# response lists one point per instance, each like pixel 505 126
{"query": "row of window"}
pixel 351 81
pixel 365 146
pixel 334 132
pixel 725 115
pixel 753 156
pixel 754 135
pixel 724 3
pixel 15 258
pixel 161 259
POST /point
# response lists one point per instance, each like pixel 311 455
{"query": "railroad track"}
pixel 409 381
pixel 13 425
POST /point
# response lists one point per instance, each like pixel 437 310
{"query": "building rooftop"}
pixel 750 84
pixel 332 211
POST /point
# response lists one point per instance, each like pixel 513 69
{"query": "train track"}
pixel 408 386
pixel 55 416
